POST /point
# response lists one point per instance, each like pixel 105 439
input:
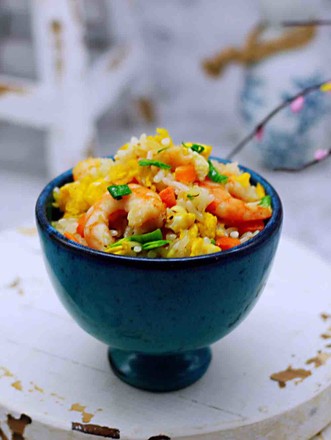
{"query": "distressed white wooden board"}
pixel 54 364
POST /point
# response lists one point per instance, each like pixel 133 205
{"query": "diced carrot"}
pixel 81 225
pixel 70 237
pixel 248 226
pixel 251 226
pixel 168 197
pixel 227 242
pixel 212 207
pixel 186 174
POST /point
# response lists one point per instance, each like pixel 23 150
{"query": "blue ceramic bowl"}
pixel 158 316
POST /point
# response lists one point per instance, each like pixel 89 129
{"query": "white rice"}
pixel 165 142
pixel 170 181
pixel 247 236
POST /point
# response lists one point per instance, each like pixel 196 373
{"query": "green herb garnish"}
pixel 265 202
pixel 154 244
pixel 214 175
pixel 192 196
pixel 156 163
pixel 213 241
pixel 195 147
pixel 118 191
pixel 162 149
pixel 117 243
pixel 148 237
pixel 140 238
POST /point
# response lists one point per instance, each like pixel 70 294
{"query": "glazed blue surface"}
pixel 160 306
pixel 160 372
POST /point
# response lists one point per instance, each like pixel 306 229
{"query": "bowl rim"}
pixel 272 226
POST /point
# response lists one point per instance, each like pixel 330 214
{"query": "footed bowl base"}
pixel 160 373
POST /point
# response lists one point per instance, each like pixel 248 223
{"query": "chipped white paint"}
pixel 70 95
pixel 64 372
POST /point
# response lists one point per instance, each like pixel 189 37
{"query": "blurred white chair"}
pixel 70 94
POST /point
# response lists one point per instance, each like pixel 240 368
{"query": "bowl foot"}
pixel 160 373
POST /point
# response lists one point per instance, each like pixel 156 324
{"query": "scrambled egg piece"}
pixel 260 190
pixel 179 219
pixel 201 246
pixel 207 227
pixel 243 179
pixel 162 137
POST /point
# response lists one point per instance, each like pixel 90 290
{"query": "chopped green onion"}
pixel 192 196
pixel 195 147
pixel 265 202
pixel 154 244
pixel 146 238
pixel 156 163
pixel 162 149
pixel 117 243
pixel 118 191
pixel 149 237
pixel 214 175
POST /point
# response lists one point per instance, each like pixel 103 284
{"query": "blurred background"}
pixel 80 77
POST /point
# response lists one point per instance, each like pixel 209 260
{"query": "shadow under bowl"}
pixel 158 316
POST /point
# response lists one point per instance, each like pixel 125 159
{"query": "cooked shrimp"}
pixel 93 166
pixel 144 208
pixel 178 155
pixel 247 193
pixel 229 208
